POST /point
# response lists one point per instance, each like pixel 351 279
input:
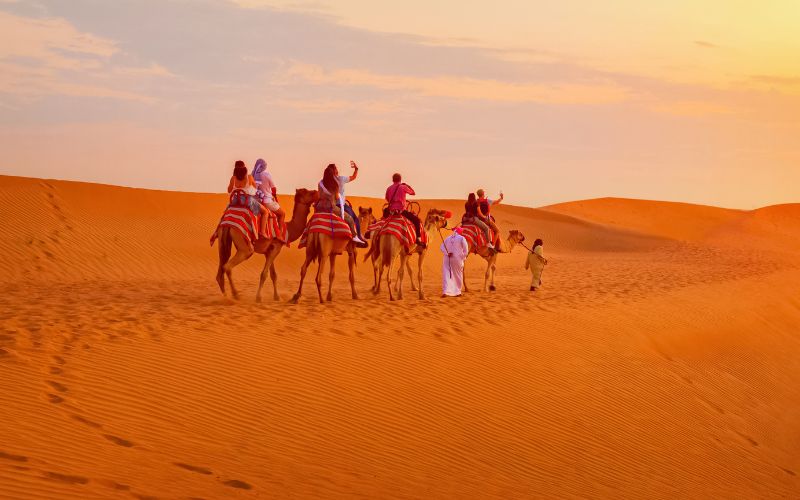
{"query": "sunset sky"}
pixel 694 101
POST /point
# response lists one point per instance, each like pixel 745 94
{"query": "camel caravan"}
pixel 254 222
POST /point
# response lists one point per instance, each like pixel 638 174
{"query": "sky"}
pixel 695 101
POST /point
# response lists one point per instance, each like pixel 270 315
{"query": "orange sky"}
pixel 689 101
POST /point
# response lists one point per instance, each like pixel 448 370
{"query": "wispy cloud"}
pixel 456 87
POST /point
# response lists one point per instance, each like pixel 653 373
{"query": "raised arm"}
pixel 498 200
pixel 230 185
pixel 409 189
pixel 355 171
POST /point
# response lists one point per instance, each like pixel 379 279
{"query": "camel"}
pixel 229 237
pixel 323 247
pixel 384 251
pixel 490 256
pixel 365 219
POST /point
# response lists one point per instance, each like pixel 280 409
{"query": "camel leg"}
pixel 273 274
pixel 331 275
pixel 323 259
pixel 419 274
pixel 389 278
pixel 303 270
pixel 375 277
pixel 410 274
pixel 351 264
pixel 241 256
pixel 400 274
pixel 493 267
pixel 263 276
pixel 465 289
pixel 225 243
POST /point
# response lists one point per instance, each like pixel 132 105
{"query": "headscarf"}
pixel 259 167
pixel 458 230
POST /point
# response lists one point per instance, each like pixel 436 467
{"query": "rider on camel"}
pixel 486 205
pixel 396 198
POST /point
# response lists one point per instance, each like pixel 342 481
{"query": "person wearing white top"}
pixel 455 250
pixel 267 191
pixel 344 207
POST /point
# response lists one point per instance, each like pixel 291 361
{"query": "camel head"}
pixel 306 196
pixel 436 218
pixel 515 237
pixel 365 216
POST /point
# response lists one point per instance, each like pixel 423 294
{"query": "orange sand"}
pixel 661 359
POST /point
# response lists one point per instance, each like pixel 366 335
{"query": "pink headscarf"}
pixel 458 230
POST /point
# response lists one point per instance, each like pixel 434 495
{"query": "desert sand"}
pixel 660 359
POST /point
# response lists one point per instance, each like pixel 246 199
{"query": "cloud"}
pixel 706 45
pixel 49 56
pixel 456 87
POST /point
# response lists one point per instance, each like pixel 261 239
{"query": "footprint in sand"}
pixel 747 438
pixel 66 478
pixel 54 399
pixel 235 483
pixel 12 457
pixel 118 441
pixel 193 468
pixel 83 420
pixel 57 386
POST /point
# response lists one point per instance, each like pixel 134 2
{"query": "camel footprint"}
pixel 233 483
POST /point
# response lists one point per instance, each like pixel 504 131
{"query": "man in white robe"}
pixel 456 250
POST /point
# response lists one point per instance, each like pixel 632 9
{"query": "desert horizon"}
pixel 657 360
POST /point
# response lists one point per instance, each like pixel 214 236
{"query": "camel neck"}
pixel 296 226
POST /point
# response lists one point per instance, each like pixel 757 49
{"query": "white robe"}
pixel 453 264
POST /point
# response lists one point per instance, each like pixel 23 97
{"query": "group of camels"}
pixel 323 248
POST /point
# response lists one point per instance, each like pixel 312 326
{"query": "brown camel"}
pixel 229 237
pixel 385 250
pixel 490 256
pixel 322 247
pixel 365 219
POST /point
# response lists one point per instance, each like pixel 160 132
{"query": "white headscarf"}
pixel 259 167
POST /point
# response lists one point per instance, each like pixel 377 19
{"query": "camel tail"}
pixel 370 251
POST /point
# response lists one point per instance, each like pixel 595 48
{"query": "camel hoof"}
pixel 276 298
pixel 258 299
pixel 294 299
pixel 492 288
pixel 355 296
pixel 329 298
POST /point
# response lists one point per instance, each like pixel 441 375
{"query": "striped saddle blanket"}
pixel 326 223
pixel 398 226
pixel 273 231
pixel 239 216
pixel 475 236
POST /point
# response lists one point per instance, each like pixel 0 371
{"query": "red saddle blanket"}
pixel 475 237
pixel 398 226
pixel 273 231
pixel 239 216
pixel 326 223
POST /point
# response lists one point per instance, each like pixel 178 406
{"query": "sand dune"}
pixel 659 360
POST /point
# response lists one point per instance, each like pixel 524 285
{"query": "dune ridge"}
pixel 659 360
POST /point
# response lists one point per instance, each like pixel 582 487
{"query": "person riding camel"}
pixel 241 180
pixel 344 207
pixel 486 208
pixel 396 199
pixel 474 215
pixel 329 189
pixel 267 191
